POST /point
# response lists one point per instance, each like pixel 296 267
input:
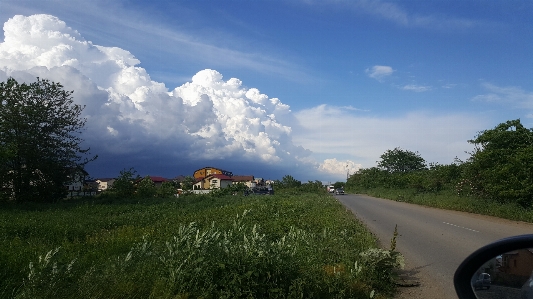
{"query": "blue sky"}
pixel 355 78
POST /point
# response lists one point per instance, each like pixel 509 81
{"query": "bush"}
pixel 123 185
pixel 145 188
pixel 166 190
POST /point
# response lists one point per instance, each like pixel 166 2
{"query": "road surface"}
pixel 433 241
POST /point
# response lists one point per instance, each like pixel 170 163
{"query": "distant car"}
pixel 339 191
pixel 483 281
pixel 264 190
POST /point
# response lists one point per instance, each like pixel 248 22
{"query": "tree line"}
pixel 41 150
pixel 500 168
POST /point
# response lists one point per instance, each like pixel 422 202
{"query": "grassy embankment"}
pixel 288 245
pixel 448 199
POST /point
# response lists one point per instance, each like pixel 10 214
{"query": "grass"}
pixel 451 201
pixel 283 246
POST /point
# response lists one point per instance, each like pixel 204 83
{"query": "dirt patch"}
pixel 423 290
pixel 415 283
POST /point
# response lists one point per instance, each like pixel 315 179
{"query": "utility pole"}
pixel 347 173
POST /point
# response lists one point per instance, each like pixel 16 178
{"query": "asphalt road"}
pixel 433 241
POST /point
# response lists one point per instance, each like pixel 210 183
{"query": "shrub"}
pixel 145 188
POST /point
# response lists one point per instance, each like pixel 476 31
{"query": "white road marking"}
pixel 473 230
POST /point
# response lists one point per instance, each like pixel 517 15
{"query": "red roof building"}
pixel 214 181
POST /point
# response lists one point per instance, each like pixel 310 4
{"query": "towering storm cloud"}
pixel 130 115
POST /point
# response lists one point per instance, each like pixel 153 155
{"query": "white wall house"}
pixel 247 180
pixel 214 181
pixel 104 183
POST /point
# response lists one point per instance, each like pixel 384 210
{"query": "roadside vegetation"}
pixel 496 180
pixel 298 243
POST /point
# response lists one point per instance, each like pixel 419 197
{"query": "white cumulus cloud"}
pixel 130 116
pixel 379 72
pixel 339 168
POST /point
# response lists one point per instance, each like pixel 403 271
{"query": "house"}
pixel 178 179
pixel 207 171
pixel 157 180
pixel 517 262
pixel 247 180
pixel 76 177
pixel 214 181
pixel 105 183
pixel 90 185
pixel 270 182
pixel 515 267
pixel 259 182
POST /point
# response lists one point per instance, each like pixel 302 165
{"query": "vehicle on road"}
pixel 331 189
pixel 339 191
pixel 482 282
pixel 263 190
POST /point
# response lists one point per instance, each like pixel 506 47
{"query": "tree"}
pixel 367 178
pixel 401 161
pixel 188 182
pixel 501 165
pixel 167 189
pixel 40 143
pixel 289 182
pixel 338 185
pixel 123 186
pixel 146 188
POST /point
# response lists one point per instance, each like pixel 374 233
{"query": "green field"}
pixel 290 245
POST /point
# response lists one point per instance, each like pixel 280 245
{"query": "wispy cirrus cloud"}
pixel 385 10
pixel 134 29
pixel 395 13
pixel 379 72
pixel 416 88
pixel 352 108
pixel 449 86
pixel 509 95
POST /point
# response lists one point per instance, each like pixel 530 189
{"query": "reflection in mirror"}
pixel 509 275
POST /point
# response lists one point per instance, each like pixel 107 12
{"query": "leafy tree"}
pixel 123 185
pixel 338 185
pixel 188 183
pixel 401 161
pixel 146 188
pixel 501 165
pixel 288 181
pixel 311 186
pixel 40 143
pixel 367 178
pixel 167 189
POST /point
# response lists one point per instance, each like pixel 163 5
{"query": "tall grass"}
pixel 448 199
pixel 282 246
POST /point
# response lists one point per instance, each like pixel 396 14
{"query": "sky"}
pixel 316 89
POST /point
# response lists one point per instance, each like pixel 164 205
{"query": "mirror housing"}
pixel 467 269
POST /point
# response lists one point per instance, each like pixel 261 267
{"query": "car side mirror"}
pixel 504 266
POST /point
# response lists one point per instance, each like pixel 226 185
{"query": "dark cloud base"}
pixel 170 167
